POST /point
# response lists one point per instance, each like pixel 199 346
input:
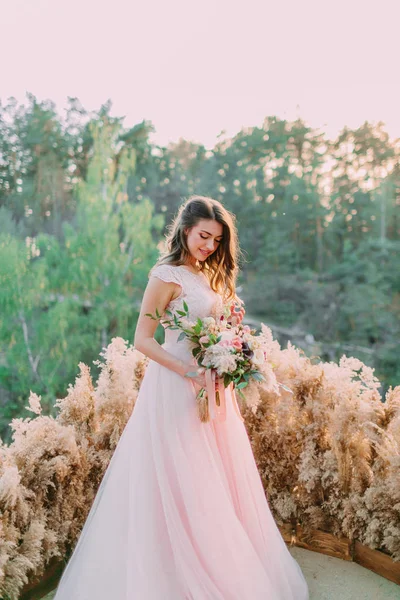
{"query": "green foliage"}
pixel 62 299
pixel 83 206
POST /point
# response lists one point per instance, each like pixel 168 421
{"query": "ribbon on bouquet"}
pixel 212 401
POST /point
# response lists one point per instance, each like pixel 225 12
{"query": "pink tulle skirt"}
pixel 181 512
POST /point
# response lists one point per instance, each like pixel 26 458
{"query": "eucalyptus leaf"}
pixel 241 394
pixel 258 376
pixel 241 385
pixel 191 374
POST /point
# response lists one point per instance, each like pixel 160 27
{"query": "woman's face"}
pixel 204 238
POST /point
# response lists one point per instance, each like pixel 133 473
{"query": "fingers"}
pixel 241 315
pixel 237 318
pixel 238 311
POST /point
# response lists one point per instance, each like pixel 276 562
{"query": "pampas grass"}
pixel 328 455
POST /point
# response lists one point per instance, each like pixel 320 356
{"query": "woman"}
pixel 181 512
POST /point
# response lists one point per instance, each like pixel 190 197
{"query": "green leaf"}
pixel 258 376
pixel 185 306
pixel 227 380
pixel 241 385
pixel 191 374
pixel 241 394
pixel 180 312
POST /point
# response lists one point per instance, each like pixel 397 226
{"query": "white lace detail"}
pixel 169 274
pixel 202 301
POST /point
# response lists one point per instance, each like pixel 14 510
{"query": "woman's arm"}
pixel 157 295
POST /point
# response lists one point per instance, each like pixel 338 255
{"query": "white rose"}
pixel 209 321
pixel 187 324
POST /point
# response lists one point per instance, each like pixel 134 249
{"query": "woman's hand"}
pixel 237 313
pixel 200 379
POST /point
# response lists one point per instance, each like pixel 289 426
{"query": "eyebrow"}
pixel 204 231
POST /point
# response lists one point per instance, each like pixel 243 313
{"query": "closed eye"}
pixel 206 238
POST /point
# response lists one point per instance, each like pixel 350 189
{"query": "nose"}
pixel 210 244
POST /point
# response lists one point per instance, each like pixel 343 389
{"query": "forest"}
pixel 84 205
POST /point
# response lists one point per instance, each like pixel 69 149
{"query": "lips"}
pixel 205 253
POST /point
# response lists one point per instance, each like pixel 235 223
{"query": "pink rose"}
pixel 237 343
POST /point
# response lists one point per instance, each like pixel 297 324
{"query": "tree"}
pixel 63 300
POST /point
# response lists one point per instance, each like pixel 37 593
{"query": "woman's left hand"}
pixel 237 313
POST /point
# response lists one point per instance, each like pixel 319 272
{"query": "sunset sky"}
pixel 197 68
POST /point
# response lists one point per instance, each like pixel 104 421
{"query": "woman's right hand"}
pixel 200 379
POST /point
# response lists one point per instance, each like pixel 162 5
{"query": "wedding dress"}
pixel 181 512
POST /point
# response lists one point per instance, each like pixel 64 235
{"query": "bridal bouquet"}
pixel 229 355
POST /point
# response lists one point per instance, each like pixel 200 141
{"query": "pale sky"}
pixel 197 68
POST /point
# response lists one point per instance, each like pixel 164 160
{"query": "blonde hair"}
pixel 221 267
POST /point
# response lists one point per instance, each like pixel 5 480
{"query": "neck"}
pixel 193 264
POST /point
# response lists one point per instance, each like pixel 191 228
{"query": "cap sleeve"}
pixel 166 273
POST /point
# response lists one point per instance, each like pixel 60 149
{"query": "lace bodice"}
pixel 202 301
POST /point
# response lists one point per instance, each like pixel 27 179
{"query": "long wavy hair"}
pixel 221 267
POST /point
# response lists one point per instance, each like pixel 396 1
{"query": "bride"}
pixel 181 512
